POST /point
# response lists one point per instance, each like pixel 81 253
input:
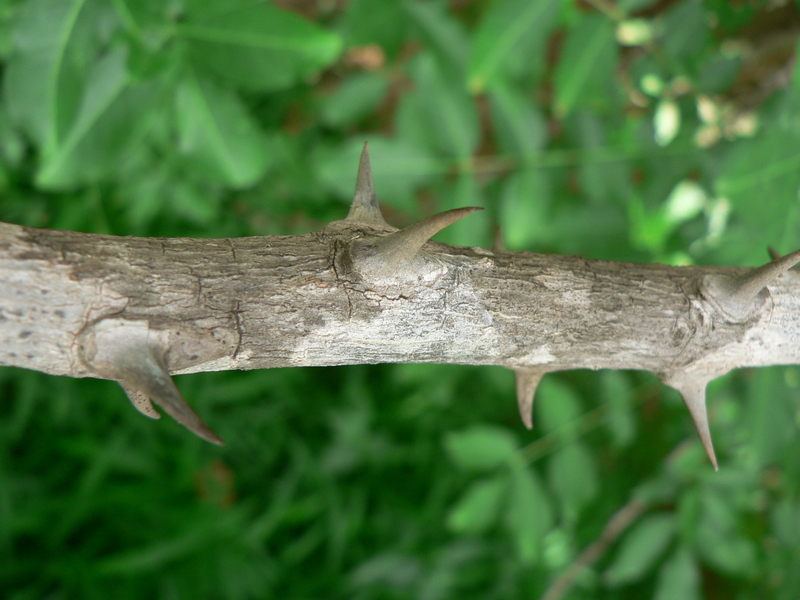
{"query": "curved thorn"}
pixel 527 379
pixel 736 295
pixel 399 248
pixel 141 402
pixel 775 255
pixel 364 208
pixel 693 392
pixel 144 371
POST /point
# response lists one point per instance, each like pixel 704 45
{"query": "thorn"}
pixel 141 402
pixel 145 374
pixel 775 255
pixel 736 295
pixel 364 208
pixel 499 243
pixel 693 392
pixel 527 380
pixel 399 248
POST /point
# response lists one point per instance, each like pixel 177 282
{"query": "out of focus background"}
pixel 638 130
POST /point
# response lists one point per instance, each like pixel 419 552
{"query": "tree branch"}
pixel 135 310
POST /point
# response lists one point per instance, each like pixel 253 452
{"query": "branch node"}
pixel 736 296
pixel 133 355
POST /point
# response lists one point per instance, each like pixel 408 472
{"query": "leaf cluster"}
pixel 629 130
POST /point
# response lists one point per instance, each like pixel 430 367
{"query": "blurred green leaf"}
pixel 679 578
pixel 557 408
pixel 587 64
pixel 481 447
pixel 216 135
pixel 524 210
pixel 355 98
pixel 440 32
pixel 767 168
pixel 444 109
pixel 720 540
pixel 520 128
pixel 479 507
pixel 55 45
pixel 368 22
pixel 572 475
pixel 685 31
pixel 640 549
pixel 258 46
pixel 529 516
pixel 617 393
pixel 510 38
pixel 103 135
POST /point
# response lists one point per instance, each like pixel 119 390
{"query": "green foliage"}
pixel 635 130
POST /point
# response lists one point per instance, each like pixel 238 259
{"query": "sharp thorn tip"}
pixel 527 380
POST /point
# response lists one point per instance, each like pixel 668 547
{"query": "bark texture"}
pixel 132 309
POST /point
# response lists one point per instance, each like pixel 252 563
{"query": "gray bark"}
pixel 276 301
pixel 136 310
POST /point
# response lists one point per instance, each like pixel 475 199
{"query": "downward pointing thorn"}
pixel 527 379
pixel 693 392
pixel 143 375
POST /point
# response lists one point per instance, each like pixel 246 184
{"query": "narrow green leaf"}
pixel 529 517
pixel 259 46
pixel 481 447
pixel 523 210
pixel 479 507
pixel 767 167
pixel 640 549
pixel 587 64
pixel 572 475
pixel 679 578
pixel 557 408
pixel 616 391
pixel 520 128
pixel 55 42
pixel 445 108
pixel 440 32
pixel 356 97
pixel 512 33
pixel 105 130
pixel 217 134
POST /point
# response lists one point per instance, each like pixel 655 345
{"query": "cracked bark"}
pixel 77 304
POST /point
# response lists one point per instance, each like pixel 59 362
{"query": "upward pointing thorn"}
pixel 693 392
pixel 398 249
pixel 364 208
pixel 527 380
pixel 736 295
